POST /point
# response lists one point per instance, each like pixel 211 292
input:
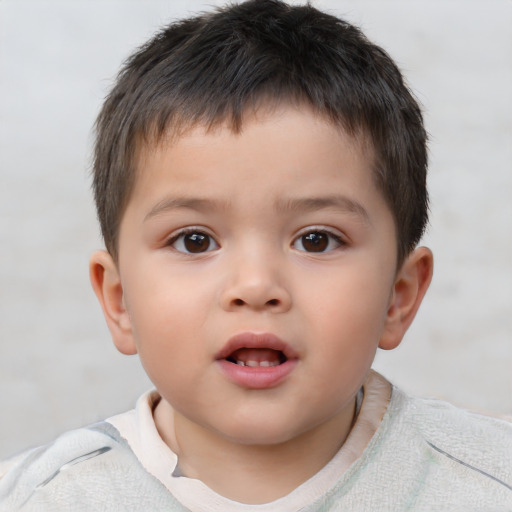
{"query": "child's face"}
pixel 272 248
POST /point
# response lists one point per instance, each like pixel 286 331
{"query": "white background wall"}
pixel 58 368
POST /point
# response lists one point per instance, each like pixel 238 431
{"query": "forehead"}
pixel 300 133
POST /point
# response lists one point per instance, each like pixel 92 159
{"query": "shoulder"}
pixel 474 438
pixel 452 454
pixel 85 469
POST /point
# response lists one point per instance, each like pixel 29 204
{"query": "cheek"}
pixel 349 303
pixel 347 324
pixel 164 313
pixel 162 298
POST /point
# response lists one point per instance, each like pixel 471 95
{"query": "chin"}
pixel 258 433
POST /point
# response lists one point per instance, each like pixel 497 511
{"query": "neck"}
pixel 251 474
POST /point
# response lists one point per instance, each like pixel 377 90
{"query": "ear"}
pixel 411 284
pixel 106 282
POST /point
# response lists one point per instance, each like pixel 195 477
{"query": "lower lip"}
pixel 259 377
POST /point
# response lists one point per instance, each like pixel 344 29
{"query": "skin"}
pixel 287 174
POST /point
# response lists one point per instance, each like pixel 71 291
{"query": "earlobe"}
pixel 411 284
pixel 106 282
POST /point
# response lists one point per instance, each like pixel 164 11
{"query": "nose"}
pixel 257 284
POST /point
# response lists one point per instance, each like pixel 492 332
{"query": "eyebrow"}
pixel 299 205
pixel 335 202
pixel 192 203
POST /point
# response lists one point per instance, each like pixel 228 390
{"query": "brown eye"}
pixel 317 241
pixel 194 242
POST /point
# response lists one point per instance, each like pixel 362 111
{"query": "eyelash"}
pixel 331 236
pixel 202 236
pixel 175 238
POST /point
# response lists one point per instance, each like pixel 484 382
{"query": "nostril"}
pixel 241 302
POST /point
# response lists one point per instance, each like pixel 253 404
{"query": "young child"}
pixel 259 178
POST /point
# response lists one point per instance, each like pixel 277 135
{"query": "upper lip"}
pixel 256 340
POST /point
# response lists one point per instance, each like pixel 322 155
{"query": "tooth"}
pixel 252 364
pixel 264 363
pixel 240 363
pixel 274 363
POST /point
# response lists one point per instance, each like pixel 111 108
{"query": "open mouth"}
pixel 257 357
pixel 257 360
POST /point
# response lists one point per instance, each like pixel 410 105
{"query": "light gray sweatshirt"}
pixel 426 455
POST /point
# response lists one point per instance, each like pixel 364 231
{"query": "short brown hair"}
pixel 211 68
